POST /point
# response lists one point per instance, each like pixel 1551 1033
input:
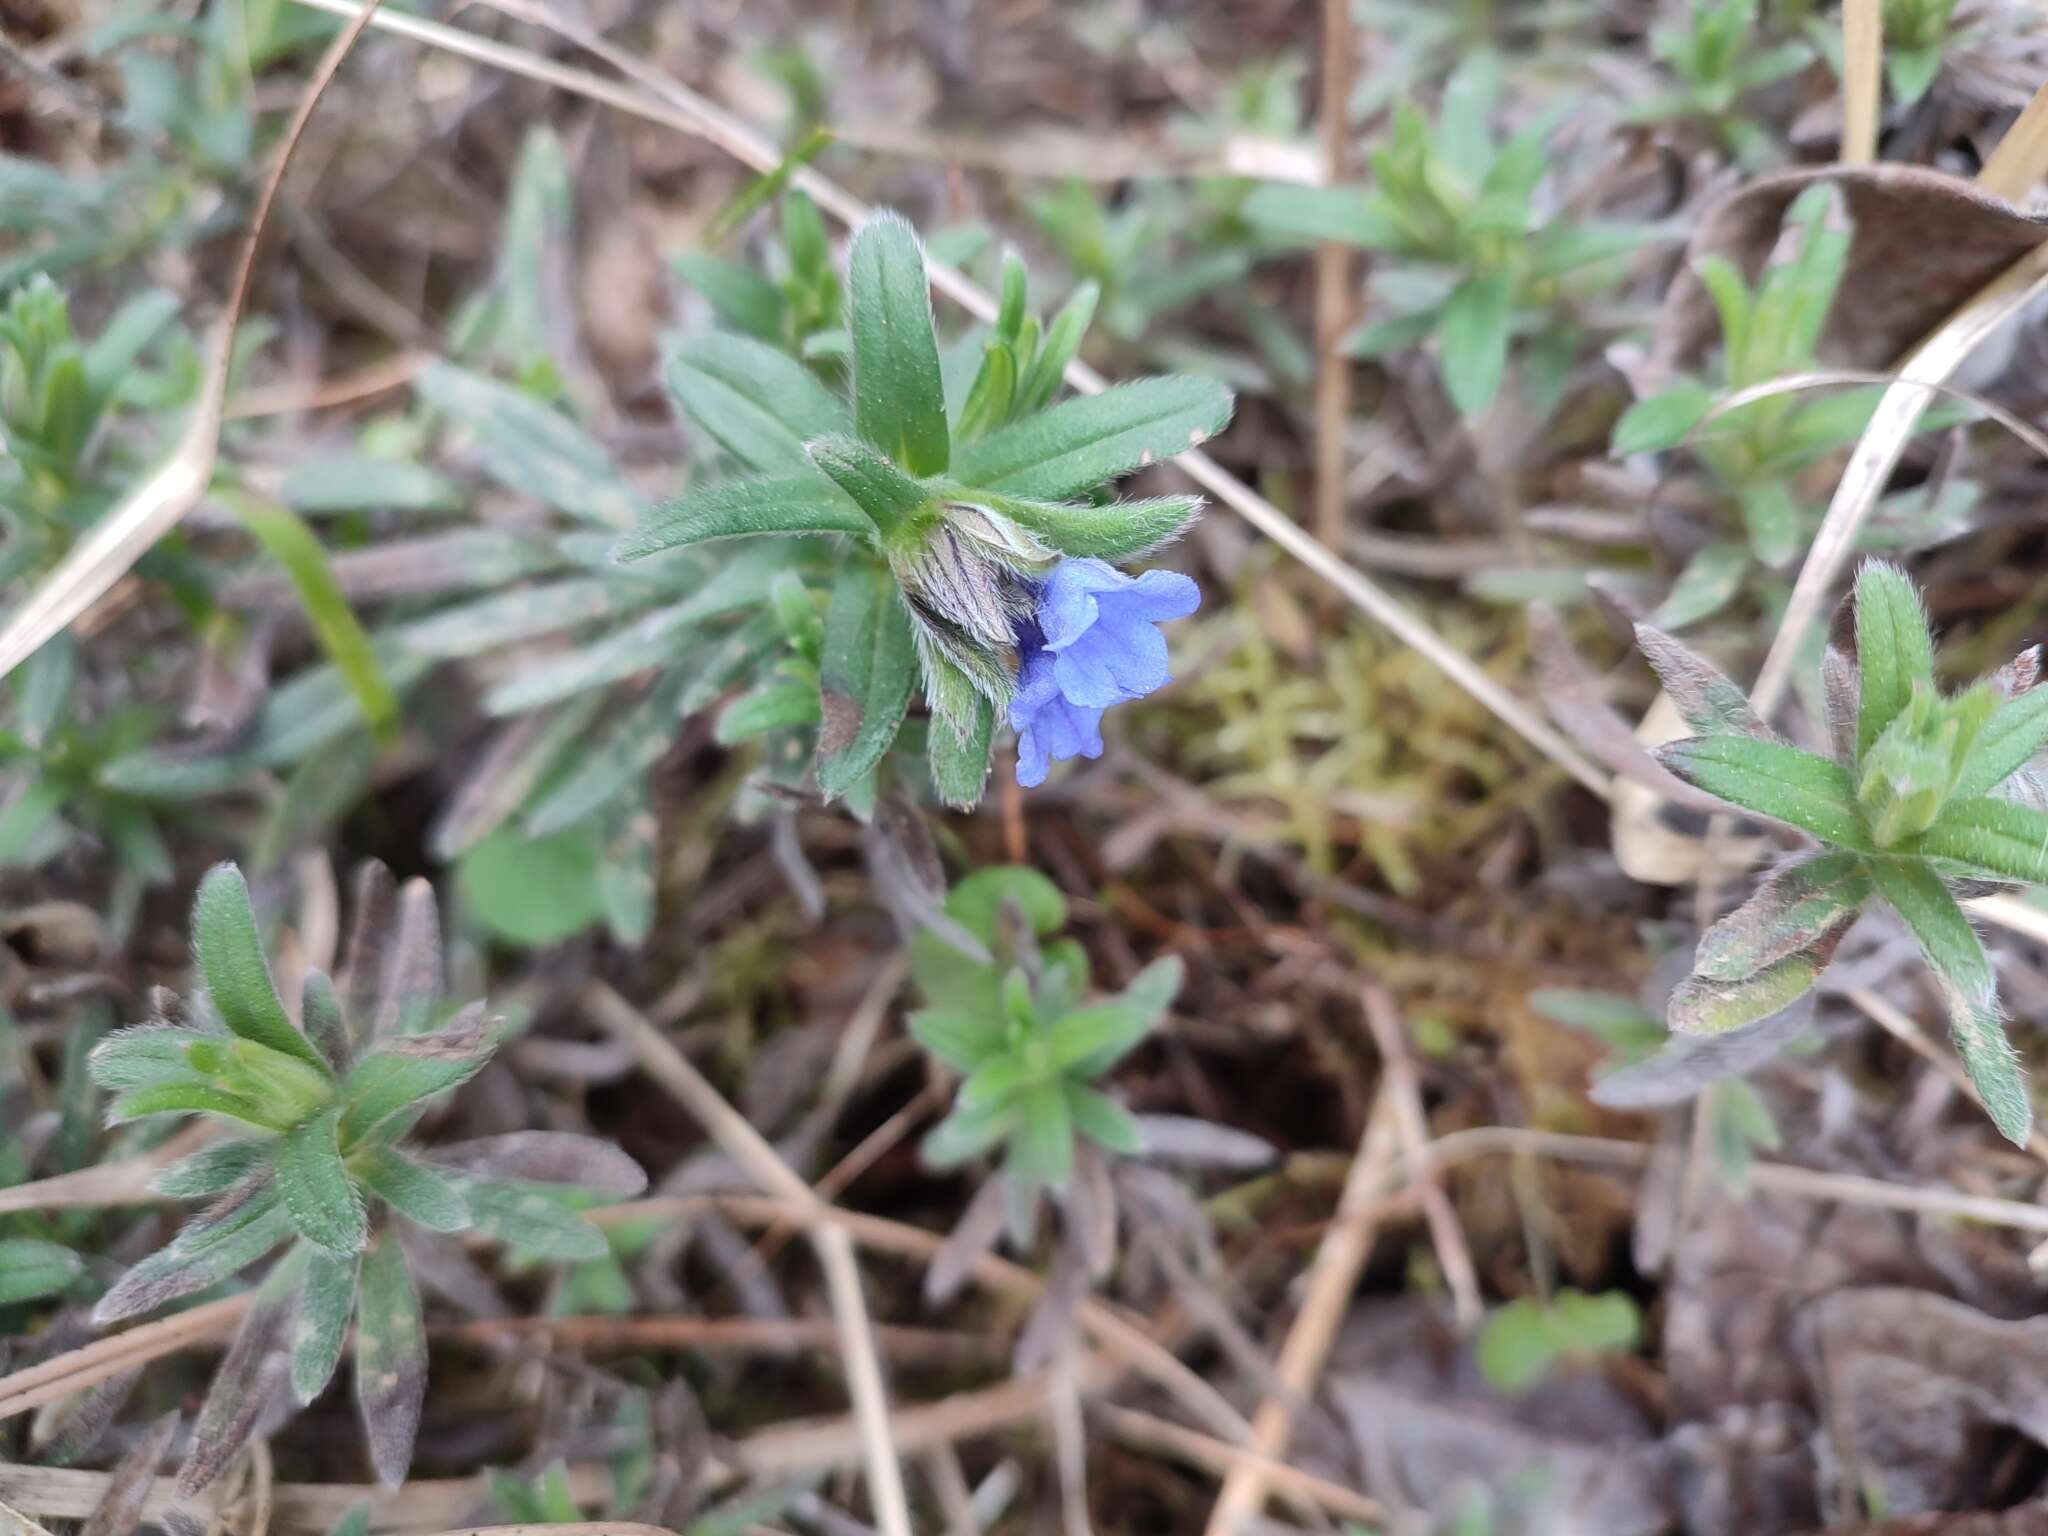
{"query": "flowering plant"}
pixel 974 550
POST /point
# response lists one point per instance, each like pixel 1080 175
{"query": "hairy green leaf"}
pixel 230 956
pixel 1930 912
pixel 899 395
pixel 760 404
pixel 1773 780
pixel 2015 732
pixel 889 497
pixel 418 1193
pixel 1115 531
pixel 1069 448
pixel 1796 905
pixel 1894 649
pixel 1472 333
pixel 327 1300
pixel 323 1203
pixel 866 675
pixel 741 509
pixel 1702 1006
pixel 960 763
pixel 391 1359
pixel 1995 836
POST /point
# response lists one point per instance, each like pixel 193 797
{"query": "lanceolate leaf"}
pixel 960 764
pixel 230 955
pixel 899 395
pixel 31 1268
pixel 1992 835
pixel 758 402
pixel 1953 952
pixel 249 1375
pixel 1706 700
pixel 417 1193
pixel 1118 531
pixel 1893 648
pixel 1791 910
pixel 1070 448
pixel 405 1071
pixel 1774 780
pixel 238 1231
pixel 743 509
pixel 391 1360
pixel 867 672
pixel 1472 333
pixel 2008 741
pixel 889 497
pixel 327 1300
pixel 213 1169
pixel 532 1220
pixel 1700 1006
pixel 324 1205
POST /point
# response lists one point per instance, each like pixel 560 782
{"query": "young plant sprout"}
pixel 319 1118
pixel 1928 798
pixel 1016 1023
pixel 976 560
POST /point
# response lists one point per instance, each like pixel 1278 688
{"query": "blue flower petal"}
pixel 1091 643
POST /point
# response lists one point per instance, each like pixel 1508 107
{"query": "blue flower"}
pixel 1092 643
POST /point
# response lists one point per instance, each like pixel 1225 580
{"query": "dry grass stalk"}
pixel 1331 1279
pixel 1862 79
pixel 746 1147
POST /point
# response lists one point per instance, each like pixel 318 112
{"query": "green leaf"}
pixel 1706 699
pixel 1152 991
pixel 1742 1122
pixel 991 395
pixel 1996 836
pixel 410 1069
pixel 1069 448
pixel 358 482
pixel 391 1360
pixel 2008 741
pixel 31 1268
pixel 290 543
pixel 1062 341
pixel 327 1300
pixel 1312 214
pixel 1622 1022
pixel 212 1170
pixel 774 706
pixel 866 675
pixel 1924 904
pixel 230 956
pixel 1472 331
pixel 418 1193
pixel 1772 517
pixel 1893 648
pixel 1709 582
pixel 533 891
pixel 890 498
pixel 758 402
pixel 1910 72
pixel 1523 1340
pixel 239 1230
pixel 1102 1120
pixel 740 296
pixel 532 1220
pixel 192 1098
pixel 531 449
pixel 323 1203
pixel 1773 780
pixel 1795 907
pixel 1042 1146
pixel 145 1055
pixel 1090 1041
pixel 966 1134
pixel 742 509
pixel 1662 420
pixel 1703 1006
pixel 764 189
pixel 965 1040
pixel 899 396
pixel 959 764
pixel 1114 531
